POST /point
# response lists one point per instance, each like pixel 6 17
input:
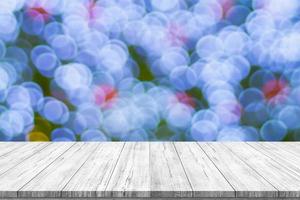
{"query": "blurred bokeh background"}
pixel 148 70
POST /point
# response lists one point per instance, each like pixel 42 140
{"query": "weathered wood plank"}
pixel 52 179
pixel 156 170
pixel 282 178
pixel 168 178
pixel 12 180
pixel 246 181
pixel 131 177
pixel 7 147
pixel 95 173
pixel 20 154
pixel 291 147
pixel 280 154
pixel 205 178
pixel 151 198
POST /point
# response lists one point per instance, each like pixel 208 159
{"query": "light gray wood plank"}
pixel 131 176
pixel 205 178
pixel 168 178
pixel 156 170
pixel 23 152
pixel 282 178
pixel 12 180
pixel 295 144
pixel 246 181
pixel 52 179
pixel 166 198
pixel 95 173
pixel 292 147
pixel 280 154
pixel 7 147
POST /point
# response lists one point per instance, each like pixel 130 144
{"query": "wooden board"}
pixel 131 177
pixel 7 147
pixel 168 178
pixel 20 154
pixel 246 181
pixel 279 153
pixel 156 170
pixel 95 173
pixel 293 148
pixel 205 178
pixel 280 176
pixel 51 181
pixel 14 179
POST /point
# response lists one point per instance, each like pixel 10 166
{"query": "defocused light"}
pixel 273 130
pixel 135 70
pixel 204 130
pixel 93 135
pixel 37 137
pixel 54 110
pixel 62 134
pixel 73 76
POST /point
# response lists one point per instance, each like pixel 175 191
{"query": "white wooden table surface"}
pixel 156 170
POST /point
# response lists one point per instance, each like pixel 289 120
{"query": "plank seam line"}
pixel 174 146
pixel 289 151
pixel 284 149
pixel 33 153
pixel 235 192
pixel 113 169
pixel 284 166
pixel 252 168
pixel 9 151
pixel 91 153
pixel 18 192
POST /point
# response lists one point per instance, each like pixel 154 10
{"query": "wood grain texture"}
pixel 51 181
pixel 131 176
pixel 95 173
pixel 246 181
pixel 14 179
pixel 280 154
pixel 20 154
pixel 144 170
pixel 291 147
pixel 281 177
pixel 7 147
pixel 205 178
pixel 168 178
pixel 151 198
